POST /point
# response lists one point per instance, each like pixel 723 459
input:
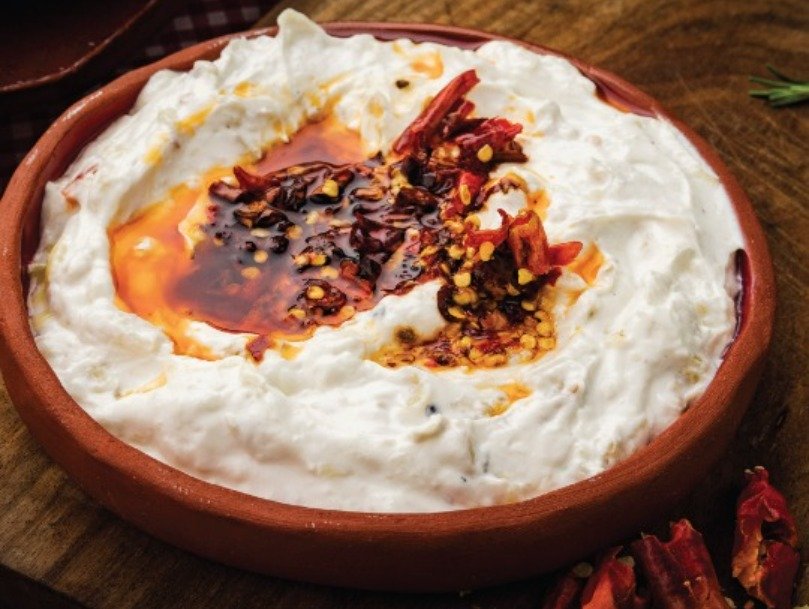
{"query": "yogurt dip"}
pixel 337 417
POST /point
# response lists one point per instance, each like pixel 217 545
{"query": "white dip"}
pixel 330 428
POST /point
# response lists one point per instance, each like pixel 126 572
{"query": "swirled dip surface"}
pixel 641 320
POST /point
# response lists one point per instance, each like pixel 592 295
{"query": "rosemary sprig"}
pixel 784 91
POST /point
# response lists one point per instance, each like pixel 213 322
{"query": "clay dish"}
pixel 51 53
pixel 413 552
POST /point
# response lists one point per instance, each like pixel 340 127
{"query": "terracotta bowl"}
pixel 413 552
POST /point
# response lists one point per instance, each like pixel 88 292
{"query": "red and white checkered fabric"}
pixel 198 21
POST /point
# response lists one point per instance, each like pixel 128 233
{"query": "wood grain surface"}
pixel 59 549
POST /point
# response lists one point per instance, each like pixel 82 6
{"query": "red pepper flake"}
pixel 562 254
pixel 256 347
pixel 468 187
pixel 679 572
pixel 498 133
pixel 613 585
pixel 496 236
pixel 225 191
pixel 70 199
pixel 765 558
pixel 250 181
pixel 529 244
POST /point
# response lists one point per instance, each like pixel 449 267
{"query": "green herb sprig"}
pixel 784 91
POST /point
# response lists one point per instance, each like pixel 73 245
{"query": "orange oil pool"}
pixel 162 279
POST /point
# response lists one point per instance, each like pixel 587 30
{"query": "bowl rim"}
pixel 748 347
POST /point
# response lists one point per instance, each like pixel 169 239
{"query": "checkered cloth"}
pixel 199 20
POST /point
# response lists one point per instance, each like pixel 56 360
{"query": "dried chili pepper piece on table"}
pixel 765 558
pixel 679 572
pixel 613 585
pixel 566 591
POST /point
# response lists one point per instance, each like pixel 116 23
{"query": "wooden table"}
pixel 59 549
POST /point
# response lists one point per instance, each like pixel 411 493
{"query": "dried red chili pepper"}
pixel 529 244
pixel 424 126
pixel 679 572
pixel 496 236
pixel 561 254
pixel 565 593
pixel 468 187
pixel 765 559
pixel 457 120
pixel 613 585
pixel 496 132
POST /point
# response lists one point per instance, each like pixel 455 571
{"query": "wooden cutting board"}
pixel 59 549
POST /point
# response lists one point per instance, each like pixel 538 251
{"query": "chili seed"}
pixel 546 344
pixel 250 272
pixel 315 292
pixel 524 276
pixel 464 194
pixel 528 341
pixel 463 279
pixel 330 188
pixel 545 329
pixel 486 251
pixel 485 153
pixel 464 296
pixel 456 312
